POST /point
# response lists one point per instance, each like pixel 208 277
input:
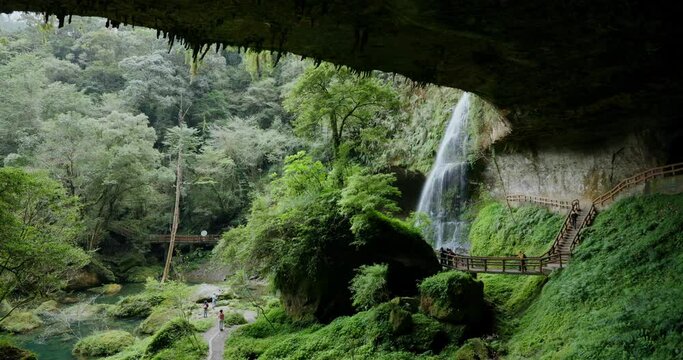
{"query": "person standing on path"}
pixel 574 214
pixel 206 309
pixel 221 320
pixel 214 300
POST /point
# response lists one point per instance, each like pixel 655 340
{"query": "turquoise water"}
pixel 58 347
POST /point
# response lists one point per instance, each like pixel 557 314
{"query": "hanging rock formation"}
pixel 581 70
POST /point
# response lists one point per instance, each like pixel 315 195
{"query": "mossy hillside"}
pixel 103 343
pixel 621 295
pixel 365 335
pixel 499 230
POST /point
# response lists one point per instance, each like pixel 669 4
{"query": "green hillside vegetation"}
pixel 620 297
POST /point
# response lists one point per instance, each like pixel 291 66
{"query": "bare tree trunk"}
pixel 176 209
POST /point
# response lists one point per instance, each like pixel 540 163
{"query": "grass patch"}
pixel 21 322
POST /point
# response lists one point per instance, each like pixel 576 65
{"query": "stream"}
pixel 55 339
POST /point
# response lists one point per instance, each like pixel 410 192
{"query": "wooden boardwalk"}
pixel 567 238
pixel 163 238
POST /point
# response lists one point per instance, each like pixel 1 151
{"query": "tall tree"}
pixel 182 141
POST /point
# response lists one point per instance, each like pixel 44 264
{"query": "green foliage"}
pixel 140 274
pixel 500 231
pixel 369 286
pixel 38 227
pixel 337 102
pixel 620 296
pixel 366 335
pixel 103 343
pixel 234 318
pixel 156 319
pixel 365 194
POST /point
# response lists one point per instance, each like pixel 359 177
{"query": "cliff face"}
pixel 570 172
pixel 579 70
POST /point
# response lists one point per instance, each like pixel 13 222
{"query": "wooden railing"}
pixel 587 221
pixel 562 204
pixel 662 171
pixel 162 238
pixel 195 239
pixel 504 265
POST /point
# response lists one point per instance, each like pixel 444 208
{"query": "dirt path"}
pixel 216 338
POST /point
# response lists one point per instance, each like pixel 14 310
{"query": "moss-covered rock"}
pixel 401 321
pixel 455 297
pixel 156 320
pixel 91 275
pixel 48 306
pixel 407 256
pixel 9 351
pixel 473 349
pixel 135 306
pixel 21 322
pixel 103 343
pixel 171 332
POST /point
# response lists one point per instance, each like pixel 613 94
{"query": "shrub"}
pixel 156 320
pixel 103 343
pixel 369 286
pixel 473 349
pixel 234 318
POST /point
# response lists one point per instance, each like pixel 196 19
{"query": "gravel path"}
pixel 216 338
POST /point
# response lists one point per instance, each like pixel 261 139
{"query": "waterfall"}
pixel 443 195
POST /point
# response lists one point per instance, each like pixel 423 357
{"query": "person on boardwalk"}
pixel 442 256
pixel 221 320
pixel 206 308
pixel 522 261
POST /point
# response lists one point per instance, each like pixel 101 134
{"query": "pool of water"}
pixel 49 344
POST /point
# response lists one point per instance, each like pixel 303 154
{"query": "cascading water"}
pixel 443 196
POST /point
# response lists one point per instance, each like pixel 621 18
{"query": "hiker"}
pixel 221 320
pixel 573 216
pixel 522 262
pixel 214 300
pixel 442 256
pixel 206 308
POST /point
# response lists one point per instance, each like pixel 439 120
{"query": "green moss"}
pixel 135 306
pixel 103 343
pixel 620 297
pixel 47 307
pixel 501 231
pixel 473 349
pixel 186 348
pixel 155 320
pixel 21 322
pixel 171 332
pixel 455 297
pixel 369 286
pixel 234 318
pixel 368 334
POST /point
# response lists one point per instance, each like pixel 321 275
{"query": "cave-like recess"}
pixel 558 69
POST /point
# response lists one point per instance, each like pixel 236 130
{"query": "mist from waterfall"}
pixel 444 193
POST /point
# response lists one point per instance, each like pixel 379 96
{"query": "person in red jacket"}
pixel 221 320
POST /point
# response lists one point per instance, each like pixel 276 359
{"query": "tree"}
pixel 338 102
pixel 182 141
pixel 110 163
pixel 38 228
